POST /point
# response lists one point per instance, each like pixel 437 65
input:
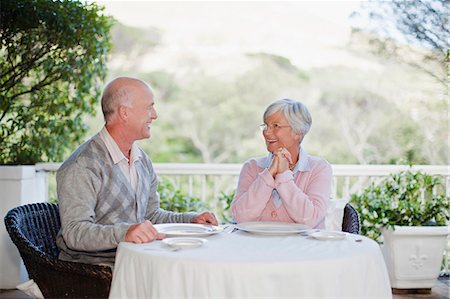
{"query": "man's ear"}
pixel 123 113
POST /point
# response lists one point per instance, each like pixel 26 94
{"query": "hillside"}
pixel 213 81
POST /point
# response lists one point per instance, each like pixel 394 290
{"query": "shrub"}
pixel 174 200
pixel 224 202
pixel 407 198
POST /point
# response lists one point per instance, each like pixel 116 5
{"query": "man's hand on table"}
pixel 205 218
pixel 143 232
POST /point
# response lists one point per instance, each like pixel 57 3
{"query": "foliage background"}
pixel 52 61
pixel 369 106
pixel 381 99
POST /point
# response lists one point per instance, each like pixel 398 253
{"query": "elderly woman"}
pixel 288 185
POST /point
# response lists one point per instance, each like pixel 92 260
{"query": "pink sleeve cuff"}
pixel 267 178
pixel 284 177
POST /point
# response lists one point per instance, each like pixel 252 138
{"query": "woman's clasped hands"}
pixel 282 161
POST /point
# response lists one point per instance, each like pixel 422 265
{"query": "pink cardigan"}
pixel 301 196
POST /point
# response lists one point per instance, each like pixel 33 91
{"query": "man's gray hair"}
pixel 295 112
pixel 116 93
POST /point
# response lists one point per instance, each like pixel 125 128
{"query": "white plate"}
pixel 272 228
pixel 323 235
pixel 187 229
pixel 184 242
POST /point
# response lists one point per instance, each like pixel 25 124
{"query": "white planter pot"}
pixel 413 255
pixel 19 185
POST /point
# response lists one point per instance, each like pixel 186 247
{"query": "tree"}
pixel 131 45
pixel 52 59
pixel 213 120
pixel 421 23
pixel 415 33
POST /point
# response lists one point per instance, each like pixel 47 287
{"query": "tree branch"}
pixel 35 87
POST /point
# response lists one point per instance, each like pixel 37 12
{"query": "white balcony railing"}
pixel 207 181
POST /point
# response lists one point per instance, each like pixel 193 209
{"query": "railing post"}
pixel 19 185
pixel 190 185
pixel 447 185
pixel 334 188
pixel 346 188
pixel 203 188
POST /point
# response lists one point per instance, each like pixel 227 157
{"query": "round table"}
pixel 244 265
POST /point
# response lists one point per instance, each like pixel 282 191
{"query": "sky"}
pixel 136 13
pixel 309 33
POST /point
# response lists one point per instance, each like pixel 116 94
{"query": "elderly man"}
pixel 107 188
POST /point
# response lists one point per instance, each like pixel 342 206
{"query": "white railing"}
pixel 209 180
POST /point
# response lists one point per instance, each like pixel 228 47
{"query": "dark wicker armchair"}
pixel 350 221
pixel 33 229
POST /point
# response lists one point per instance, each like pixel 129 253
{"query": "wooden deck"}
pixel 439 291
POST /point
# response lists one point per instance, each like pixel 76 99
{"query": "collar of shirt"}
pixel 114 150
pixel 302 163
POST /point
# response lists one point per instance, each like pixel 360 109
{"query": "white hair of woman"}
pixel 295 112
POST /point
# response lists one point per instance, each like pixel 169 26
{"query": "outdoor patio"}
pixel 371 73
pixel 439 291
pixel 206 181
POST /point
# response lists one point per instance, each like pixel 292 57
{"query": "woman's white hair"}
pixel 295 112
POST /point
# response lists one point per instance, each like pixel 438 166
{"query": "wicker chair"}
pixel 33 229
pixel 350 221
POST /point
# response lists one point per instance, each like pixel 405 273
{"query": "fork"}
pixel 231 228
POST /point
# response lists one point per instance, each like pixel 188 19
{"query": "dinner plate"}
pixel 324 235
pixel 187 229
pixel 184 242
pixel 272 228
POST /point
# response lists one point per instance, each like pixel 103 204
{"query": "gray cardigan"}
pixel 97 203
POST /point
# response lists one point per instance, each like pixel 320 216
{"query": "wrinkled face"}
pixel 280 134
pixel 141 113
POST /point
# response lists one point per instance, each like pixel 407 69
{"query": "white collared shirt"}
pixel 128 169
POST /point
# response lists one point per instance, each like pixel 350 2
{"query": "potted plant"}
pixel 52 60
pixel 408 213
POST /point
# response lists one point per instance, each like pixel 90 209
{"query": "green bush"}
pixel 174 200
pixel 224 201
pixel 408 198
pixel 52 62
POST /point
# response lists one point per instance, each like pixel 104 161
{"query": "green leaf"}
pixel 53 57
pixel 408 198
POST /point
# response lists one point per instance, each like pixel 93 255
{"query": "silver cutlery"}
pixel 230 228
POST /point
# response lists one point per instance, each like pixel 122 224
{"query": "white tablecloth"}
pixel 243 265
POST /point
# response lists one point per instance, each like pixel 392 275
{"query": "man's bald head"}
pixel 117 93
